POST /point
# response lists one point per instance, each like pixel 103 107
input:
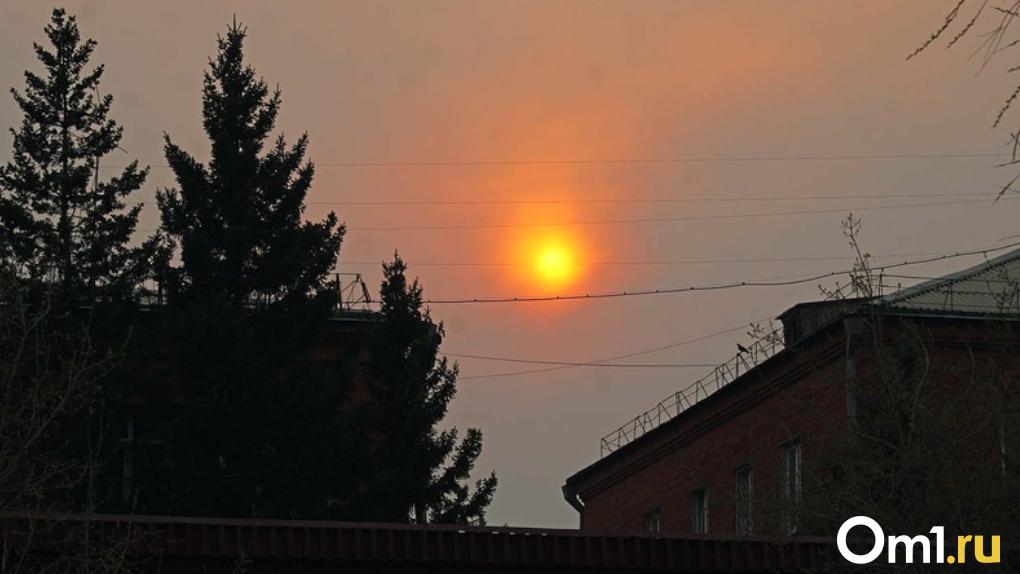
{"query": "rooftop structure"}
pixel 713 455
pixel 990 288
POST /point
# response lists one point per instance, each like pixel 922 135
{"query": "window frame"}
pixel 1009 441
pixel 652 520
pixel 743 500
pixel 700 511
pixel 791 473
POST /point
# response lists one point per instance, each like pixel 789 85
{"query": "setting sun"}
pixel 555 264
pixel 548 259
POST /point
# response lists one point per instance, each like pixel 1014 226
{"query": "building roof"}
pixel 991 288
pixel 371 546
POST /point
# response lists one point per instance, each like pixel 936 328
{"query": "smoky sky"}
pixel 468 101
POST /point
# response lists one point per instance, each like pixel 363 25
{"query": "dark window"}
pixel 1009 436
pixel 742 501
pixel 790 472
pixel 699 511
pixel 653 521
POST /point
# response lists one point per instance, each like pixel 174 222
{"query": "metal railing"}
pixel 351 291
pixel 766 346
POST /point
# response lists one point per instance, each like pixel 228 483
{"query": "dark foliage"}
pixel 58 219
pixel 925 448
pixel 422 471
pixel 70 272
pixel 222 404
pixel 242 421
pixel 48 371
pixel 237 220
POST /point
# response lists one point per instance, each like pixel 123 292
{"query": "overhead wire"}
pixel 728 216
pixel 665 160
pixel 613 358
pixel 648 200
pixel 647 262
pixel 643 160
pixel 579 364
pixel 606 362
pixel 715 287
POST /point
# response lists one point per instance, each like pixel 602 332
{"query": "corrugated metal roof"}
pixel 991 288
pixel 426 547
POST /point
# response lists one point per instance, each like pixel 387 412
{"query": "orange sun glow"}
pixel 549 259
pixel 554 264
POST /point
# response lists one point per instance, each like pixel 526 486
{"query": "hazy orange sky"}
pixel 407 82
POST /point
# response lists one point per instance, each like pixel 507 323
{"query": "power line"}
pixel 472 226
pixel 650 200
pixel 475 226
pixel 642 263
pixel 580 364
pixel 637 160
pixel 613 358
pixel 561 365
pixel 640 160
pixel 717 287
pixel 639 293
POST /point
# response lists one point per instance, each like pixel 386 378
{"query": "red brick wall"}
pixel 971 372
pixel 349 339
pixel 801 395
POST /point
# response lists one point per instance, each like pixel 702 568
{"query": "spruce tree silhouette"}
pixel 257 427
pixel 58 219
pixel 421 470
pixel 238 220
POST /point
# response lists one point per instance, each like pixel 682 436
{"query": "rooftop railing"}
pixel 351 291
pixel 767 345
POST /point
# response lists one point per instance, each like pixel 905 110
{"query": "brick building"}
pixel 717 456
pixel 342 339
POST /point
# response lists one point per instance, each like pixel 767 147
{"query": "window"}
pixel 1009 442
pixel 653 521
pixel 791 462
pixel 128 473
pixel 699 511
pixel 742 502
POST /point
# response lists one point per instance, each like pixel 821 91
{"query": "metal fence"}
pixel 351 292
pixel 766 346
pixel 187 544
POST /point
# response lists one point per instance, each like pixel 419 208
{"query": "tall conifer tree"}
pixel 58 218
pixel 247 299
pixel 238 220
pixel 422 470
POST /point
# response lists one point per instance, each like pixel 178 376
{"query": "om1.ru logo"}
pixel 910 545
